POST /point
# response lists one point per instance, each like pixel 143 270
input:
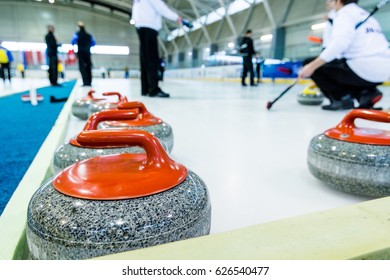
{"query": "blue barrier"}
pixel 281 70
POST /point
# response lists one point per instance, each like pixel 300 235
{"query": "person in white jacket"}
pixel 355 61
pixel 148 15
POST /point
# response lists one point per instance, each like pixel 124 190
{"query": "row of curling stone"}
pixel 116 203
pixel 85 107
pixel 128 115
pixel 353 159
pixel 311 95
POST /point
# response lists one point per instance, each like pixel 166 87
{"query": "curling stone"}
pixel 104 104
pixel 27 97
pixel 144 121
pixel 80 107
pixel 353 159
pixel 72 152
pixel 115 203
pixel 311 95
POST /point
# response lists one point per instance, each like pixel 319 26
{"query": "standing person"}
pixel 61 69
pixel 84 42
pixel 259 63
pixel 51 51
pixel 161 69
pixel 354 62
pixel 247 50
pixel 147 15
pixel 20 68
pixel 6 59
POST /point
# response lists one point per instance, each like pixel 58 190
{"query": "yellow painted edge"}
pixel 14 217
pixel 264 80
pixel 357 231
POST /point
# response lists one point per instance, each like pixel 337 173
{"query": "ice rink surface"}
pixel 253 160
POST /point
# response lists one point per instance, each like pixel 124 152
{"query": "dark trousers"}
pixel 336 80
pixel 85 67
pixel 248 66
pixel 258 72
pixel 149 60
pixel 53 70
pixel 4 67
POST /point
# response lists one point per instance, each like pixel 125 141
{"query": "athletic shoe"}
pixel 345 104
pixel 159 94
pixel 369 98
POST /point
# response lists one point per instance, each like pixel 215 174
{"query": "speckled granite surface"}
pixel 63 227
pixel 69 154
pixel 351 167
pixel 310 99
pixel 80 108
pixel 162 132
pixel 97 107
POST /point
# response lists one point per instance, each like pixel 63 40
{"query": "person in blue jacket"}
pixel 84 42
pixel 6 59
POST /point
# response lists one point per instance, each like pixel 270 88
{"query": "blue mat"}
pixel 24 128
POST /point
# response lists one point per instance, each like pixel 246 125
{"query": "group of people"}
pixel 84 42
pixel 355 58
pixel 354 61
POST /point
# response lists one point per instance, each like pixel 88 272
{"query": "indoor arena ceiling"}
pixel 190 9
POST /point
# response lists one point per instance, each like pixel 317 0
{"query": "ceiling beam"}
pixel 269 13
pixel 204 30
pixel 107 5
pixel 228 18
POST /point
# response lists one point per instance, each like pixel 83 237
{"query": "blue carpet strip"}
pixel 23 130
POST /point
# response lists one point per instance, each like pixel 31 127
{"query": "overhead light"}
pixel 51 1
pixel 24 46
pixel 266 38
pixel 231 45
pixel 117 50
pixel 98 49
pixel 318 26
pixel 132 21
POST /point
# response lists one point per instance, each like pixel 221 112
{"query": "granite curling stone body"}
pixel 80 107
pixel 104 104
pixel 145 121
pixel 72 152
pixel 310 96
pixel 116 203
pixel 353 159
